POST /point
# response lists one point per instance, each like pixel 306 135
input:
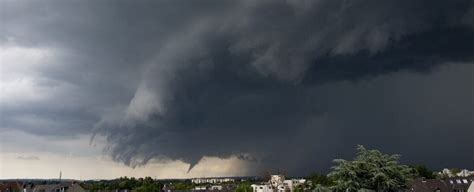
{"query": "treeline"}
pixel 148 184
pixel 124 183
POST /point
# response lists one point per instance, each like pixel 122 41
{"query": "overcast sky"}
pixel 168 89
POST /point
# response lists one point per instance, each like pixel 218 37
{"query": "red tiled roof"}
pixel 11 186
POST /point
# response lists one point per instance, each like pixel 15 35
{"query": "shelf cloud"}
pixel 285 84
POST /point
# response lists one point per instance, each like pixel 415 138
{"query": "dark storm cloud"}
pixel 292 84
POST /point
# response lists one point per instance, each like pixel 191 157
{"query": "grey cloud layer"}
pixel 28 158
pixel 265 79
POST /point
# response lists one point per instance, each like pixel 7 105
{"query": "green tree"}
pixel 320 188
pixel 244 187
pixel 372 170
pixel 148 188
pixel 182 186
pixel 319 179
pixel 423 171
pixel 455 171
pixel 298 189
pixel 148 185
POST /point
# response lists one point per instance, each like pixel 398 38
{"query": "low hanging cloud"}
pixel 287 84
pixel 28 158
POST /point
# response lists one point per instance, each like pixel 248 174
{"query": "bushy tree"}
pixel 423 171
pixel 244 187
pixel 298 188
pixel 455 171
pixel 372 170
pixel 320 188
pixel 182 186
pixel 148 185
pixel 319 179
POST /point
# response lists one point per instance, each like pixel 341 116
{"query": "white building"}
pixel 216 187
pixel 465 173
pixel 200 188
pixel 471 187
pixel 205 188
pixel 262 188
pixel 278 183
pixel 276 179
pixel 462 173
pixel 211 180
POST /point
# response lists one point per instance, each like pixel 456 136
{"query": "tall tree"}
pixel 319 179
pixel 371 170
pixel 244 187
pixel 423 171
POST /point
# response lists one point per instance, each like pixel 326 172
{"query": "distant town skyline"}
pixel 181 89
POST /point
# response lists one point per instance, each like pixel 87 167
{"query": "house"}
pixel 451 184
pixel 278 183
pixel 63 187
pixel 3 188
pixel 10 187
pixel 429 185
pixel 262 188
pixel 49 188
pixel 462 173
pixel 471 187
pixel 459 184
pixel 465 173
pixel 28 187
pixel 216 188
pixel 75 187
pixel 200 188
